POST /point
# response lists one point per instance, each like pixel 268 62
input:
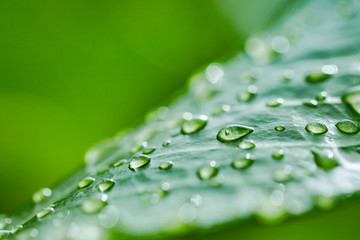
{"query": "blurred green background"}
pixel 75 72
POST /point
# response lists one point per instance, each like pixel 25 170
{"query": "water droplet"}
pixel 325 162
pixel 138 162
pixel 348 126
pixel 194 125
pixel 280 128
pixel 280 44
pixel 224 108
pixel 106 185
pixel 316 128
pixel 119 163
pixel 91 206
pixel 166 165
pixel 207 172
pixel 310 103
pixel 41 194
pixel 4 234
pixel 196 199
pixel 187 213
pixel 283 175
pixel 100 151
pixel 352 99
pixel 233 133
pixel 242 163
pixel 214 72
pixel 165 144
pixel 325 203
pixel 44 212
pixel 248 95
pixel 319 76
pixel 275 103
pixel 34 233
pixel 103 170
pixel 247 144
pixel 149 150
pixel 16 228
pixel 278 155
pixel 86 182
pixel 4 221
pixel 321 96
pixel 288 75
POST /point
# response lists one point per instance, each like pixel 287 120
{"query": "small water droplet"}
pixel 165 144
pixel 86 182
pixel 310 103
pixel 316 128
pixel 166 165
pixel 325 203
pixel 233 133
pixel 247 144
pixel 138 162
pixel 4 221
pixel 248 95
pixel 106 185
pixel 280 44
pixel 214 72
pixel 196 199
pixel 283 175
pixel 44 212
pixel 207 172
pixel 119 163
pixel 323 161
pixel 242 163
pixel 224 108
pixel 319 76
pixel 321 96
pixel 16 228
pixel 348 126
pixel 352 99
pixel 91 206
pixel 187 213
pixel 278 155
pixel 275 103
pixel 149 150
pixel 280 128
pixel 187 116
pixel 194 125
pixel 288 75
pixel 102 170
pixel 41 194
pixel 34 233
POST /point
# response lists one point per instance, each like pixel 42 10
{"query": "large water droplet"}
pixel 193 125
pixel 138 162
pixel 233 133
pixel 149 150
pixel 352 99
pixel 166 165
pixel 280 128
pixel 207 172
pixel 106 185
pixel 275 103
pixel 348 126
pixel 278 155
pixel 319 76
pixel 41 194
pixel 242 163
pixel 44 212
pixel 91 206
pixel 86 182
pixel 247 144
pixel 310 103
pixel 323 161
pixel 316 128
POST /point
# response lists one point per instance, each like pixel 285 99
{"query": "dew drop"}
pixel 320 76
pixel 280 128
pixel 275 103
pixel 224 108
pixel 248 95
pixel 149 150
pixel 138 162
pixel 166 165
pixel 325 162
pixel 233 133
pixel 247 144
pixel 41 194
pixel 44 212
pixel 119 163
pixel 282 175
pixel 194 125
pixel 165 144
pixel 103 170
pixel 310 103
pixel 348 126
pixel 91 206
pixel 207 172
pixel 316 128
pixel 278 155
pixel 86 182
pixel 106 185
pixel 242 163
pixel 352 99
pixel 325 203
pixel 16 228
pixel 288 75
pixel 4 221
pixel 321 96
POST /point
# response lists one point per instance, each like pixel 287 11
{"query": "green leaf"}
pixel 213 185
